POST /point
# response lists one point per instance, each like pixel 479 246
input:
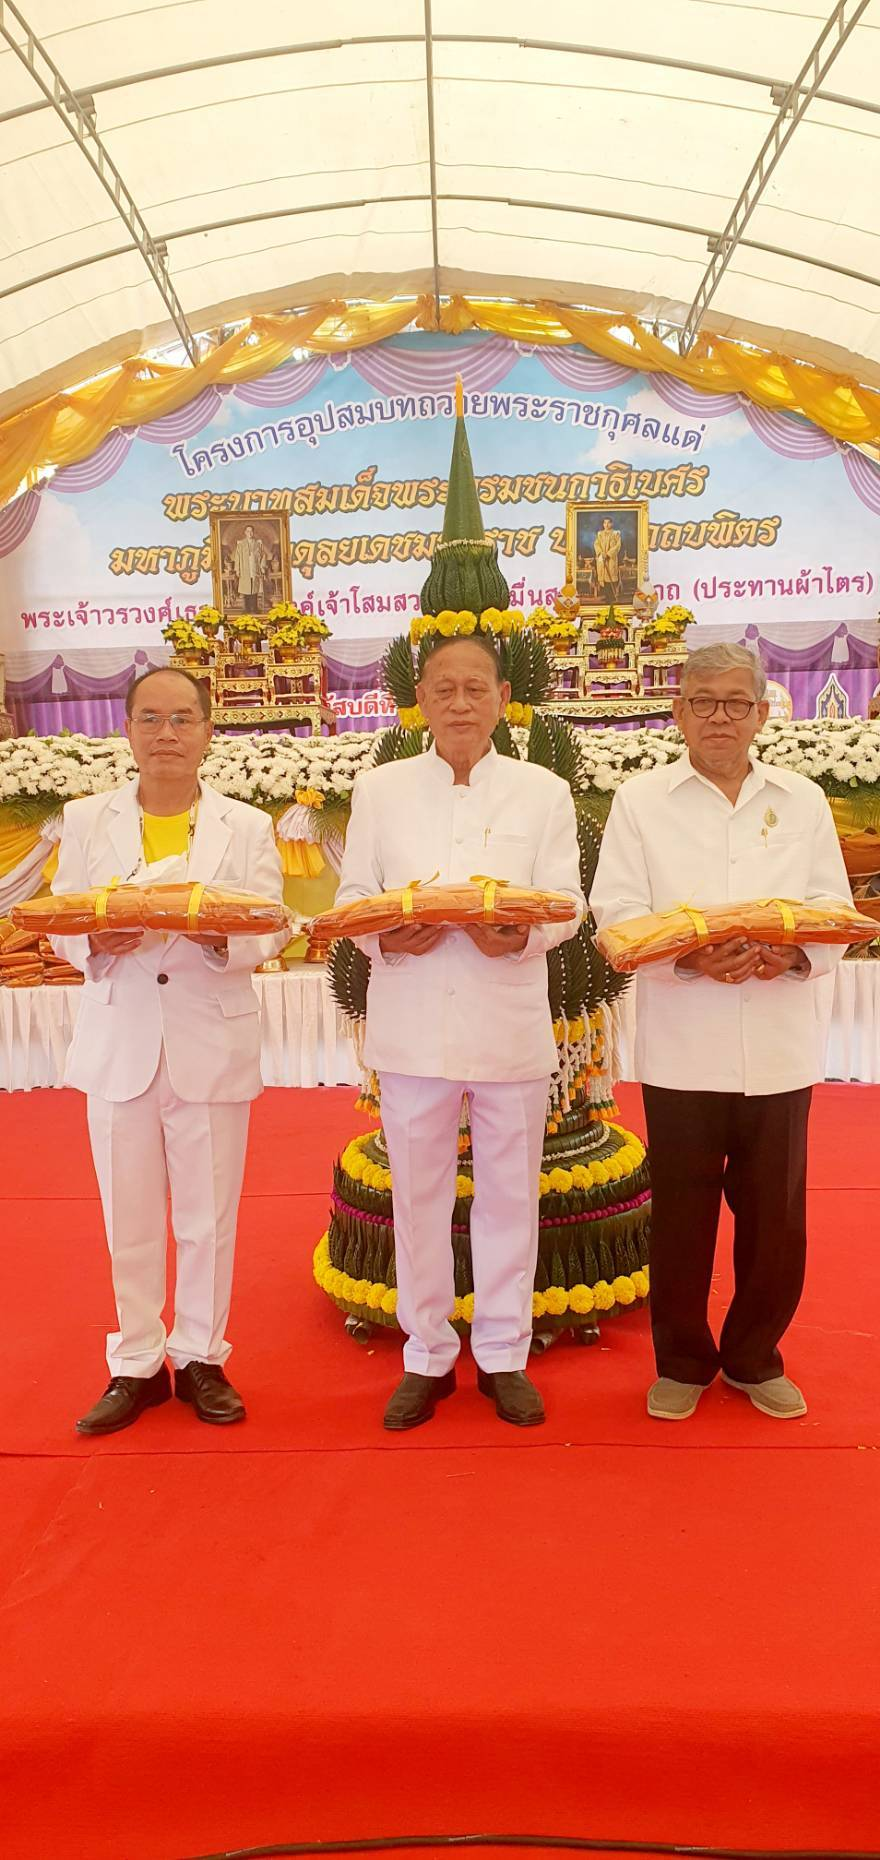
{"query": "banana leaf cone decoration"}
pixel 594 1189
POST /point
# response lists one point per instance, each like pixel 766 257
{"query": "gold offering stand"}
pixel 253 684
pixel 640 682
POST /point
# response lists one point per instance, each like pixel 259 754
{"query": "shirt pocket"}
pixel 509 856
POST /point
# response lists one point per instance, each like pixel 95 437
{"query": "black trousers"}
pixel 753 1151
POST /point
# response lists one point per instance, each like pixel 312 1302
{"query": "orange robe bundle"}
pixel 201 909
pixel 480 901
pixel 665 936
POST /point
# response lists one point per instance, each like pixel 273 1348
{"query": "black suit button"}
pixel 161 978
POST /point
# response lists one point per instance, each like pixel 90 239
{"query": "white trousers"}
pixel 420 1118
pixel 142 1150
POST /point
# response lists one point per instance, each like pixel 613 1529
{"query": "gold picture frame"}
pixel 602 574
pixel 252 579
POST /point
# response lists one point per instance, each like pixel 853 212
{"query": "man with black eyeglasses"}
pixel 729 1040
pixel 167 1049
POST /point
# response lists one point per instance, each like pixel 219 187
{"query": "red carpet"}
pixel 306 1628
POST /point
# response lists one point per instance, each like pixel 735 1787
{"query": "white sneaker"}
pixel 780 1397
pixel 673 1401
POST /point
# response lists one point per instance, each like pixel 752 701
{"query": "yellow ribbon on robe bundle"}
pixel 490 887
pixel 406 896
pixel 101 903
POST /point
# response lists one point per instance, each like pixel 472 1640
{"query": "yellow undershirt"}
pixel 164 835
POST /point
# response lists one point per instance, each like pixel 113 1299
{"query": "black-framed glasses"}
pixel 152 720
pixel 736 709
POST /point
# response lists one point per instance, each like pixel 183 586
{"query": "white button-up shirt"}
pixel 455 1013
pixel 673 838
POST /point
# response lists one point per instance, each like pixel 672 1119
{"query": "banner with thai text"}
pixel 756 518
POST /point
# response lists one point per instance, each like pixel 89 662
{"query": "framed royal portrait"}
pixel 607 552
pixel 250 562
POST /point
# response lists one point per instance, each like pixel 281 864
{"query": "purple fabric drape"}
pixel 429 371
pixel 17 520
pixel 291 382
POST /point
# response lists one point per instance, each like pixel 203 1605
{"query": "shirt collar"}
pixel 480 772
pixel 683 770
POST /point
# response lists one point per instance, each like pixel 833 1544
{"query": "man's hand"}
pixel 207 939
pixel 411 939
pixel 497 939
pixel 777 958
pixel 733 961
pixel 114 942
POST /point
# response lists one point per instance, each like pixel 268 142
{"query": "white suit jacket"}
pixel 205 1011
pixel 673 838
pixel 456 1013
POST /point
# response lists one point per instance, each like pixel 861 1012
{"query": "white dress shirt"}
pixel 673 838
pixel 455 1013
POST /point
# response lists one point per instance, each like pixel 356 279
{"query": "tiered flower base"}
pixel 594 1219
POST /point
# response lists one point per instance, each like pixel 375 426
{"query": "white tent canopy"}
pixel 568 150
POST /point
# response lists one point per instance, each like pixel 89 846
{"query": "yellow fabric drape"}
pixel 15 844
pixel 300 859
pixel 66 428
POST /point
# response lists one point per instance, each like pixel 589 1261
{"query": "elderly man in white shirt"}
pixel 455 1013
pixel 730 1040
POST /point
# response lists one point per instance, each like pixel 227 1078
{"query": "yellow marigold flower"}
pixel 467 1308
pixel 539 1306
pixel 560 1180
pixel 556 1300
pixel 445 622
pixel 599 1172
pixel 528 714
pixel 624 1290
pixel 411 717
pixel 543 1184
pixel 640 1284
pixel 603 1296
pixel 581 1299
pixel 464 1187
pixel 375 1296
pixel 515 713
pixel 384 1180
pixel 360 1291
pixel 345 1287
pixel 580 1176
pixel 467 622
pixel 515 619
pixel 490 620
pixel 389 1302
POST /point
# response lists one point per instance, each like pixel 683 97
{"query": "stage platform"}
pixel 305 1628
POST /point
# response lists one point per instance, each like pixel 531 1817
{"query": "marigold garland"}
pixel 461 625
pixel 625 1289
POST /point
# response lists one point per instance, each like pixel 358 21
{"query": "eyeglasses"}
pixel 736 709
pixel 152 720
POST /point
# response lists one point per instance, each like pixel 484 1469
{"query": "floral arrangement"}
pixel 184 636
pixel 670 624
pixel 608 622
pixel 592 1245
pixel 560 629
pixel 245 626
pixel 209 620
pixel 843 757
pixel 462 624
pixel 287 620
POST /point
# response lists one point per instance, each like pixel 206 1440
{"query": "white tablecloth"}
pixel 853 1049
pixel 303 1041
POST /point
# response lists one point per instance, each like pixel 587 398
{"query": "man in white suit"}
pixel 453 1013
pixel 167 1049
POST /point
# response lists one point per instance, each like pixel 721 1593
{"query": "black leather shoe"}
pixel 213 1398
pixel 415 1399
pixel 123 1400
pixel 516 1398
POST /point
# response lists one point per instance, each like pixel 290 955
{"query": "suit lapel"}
pixel 212 836
pixel 124 831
